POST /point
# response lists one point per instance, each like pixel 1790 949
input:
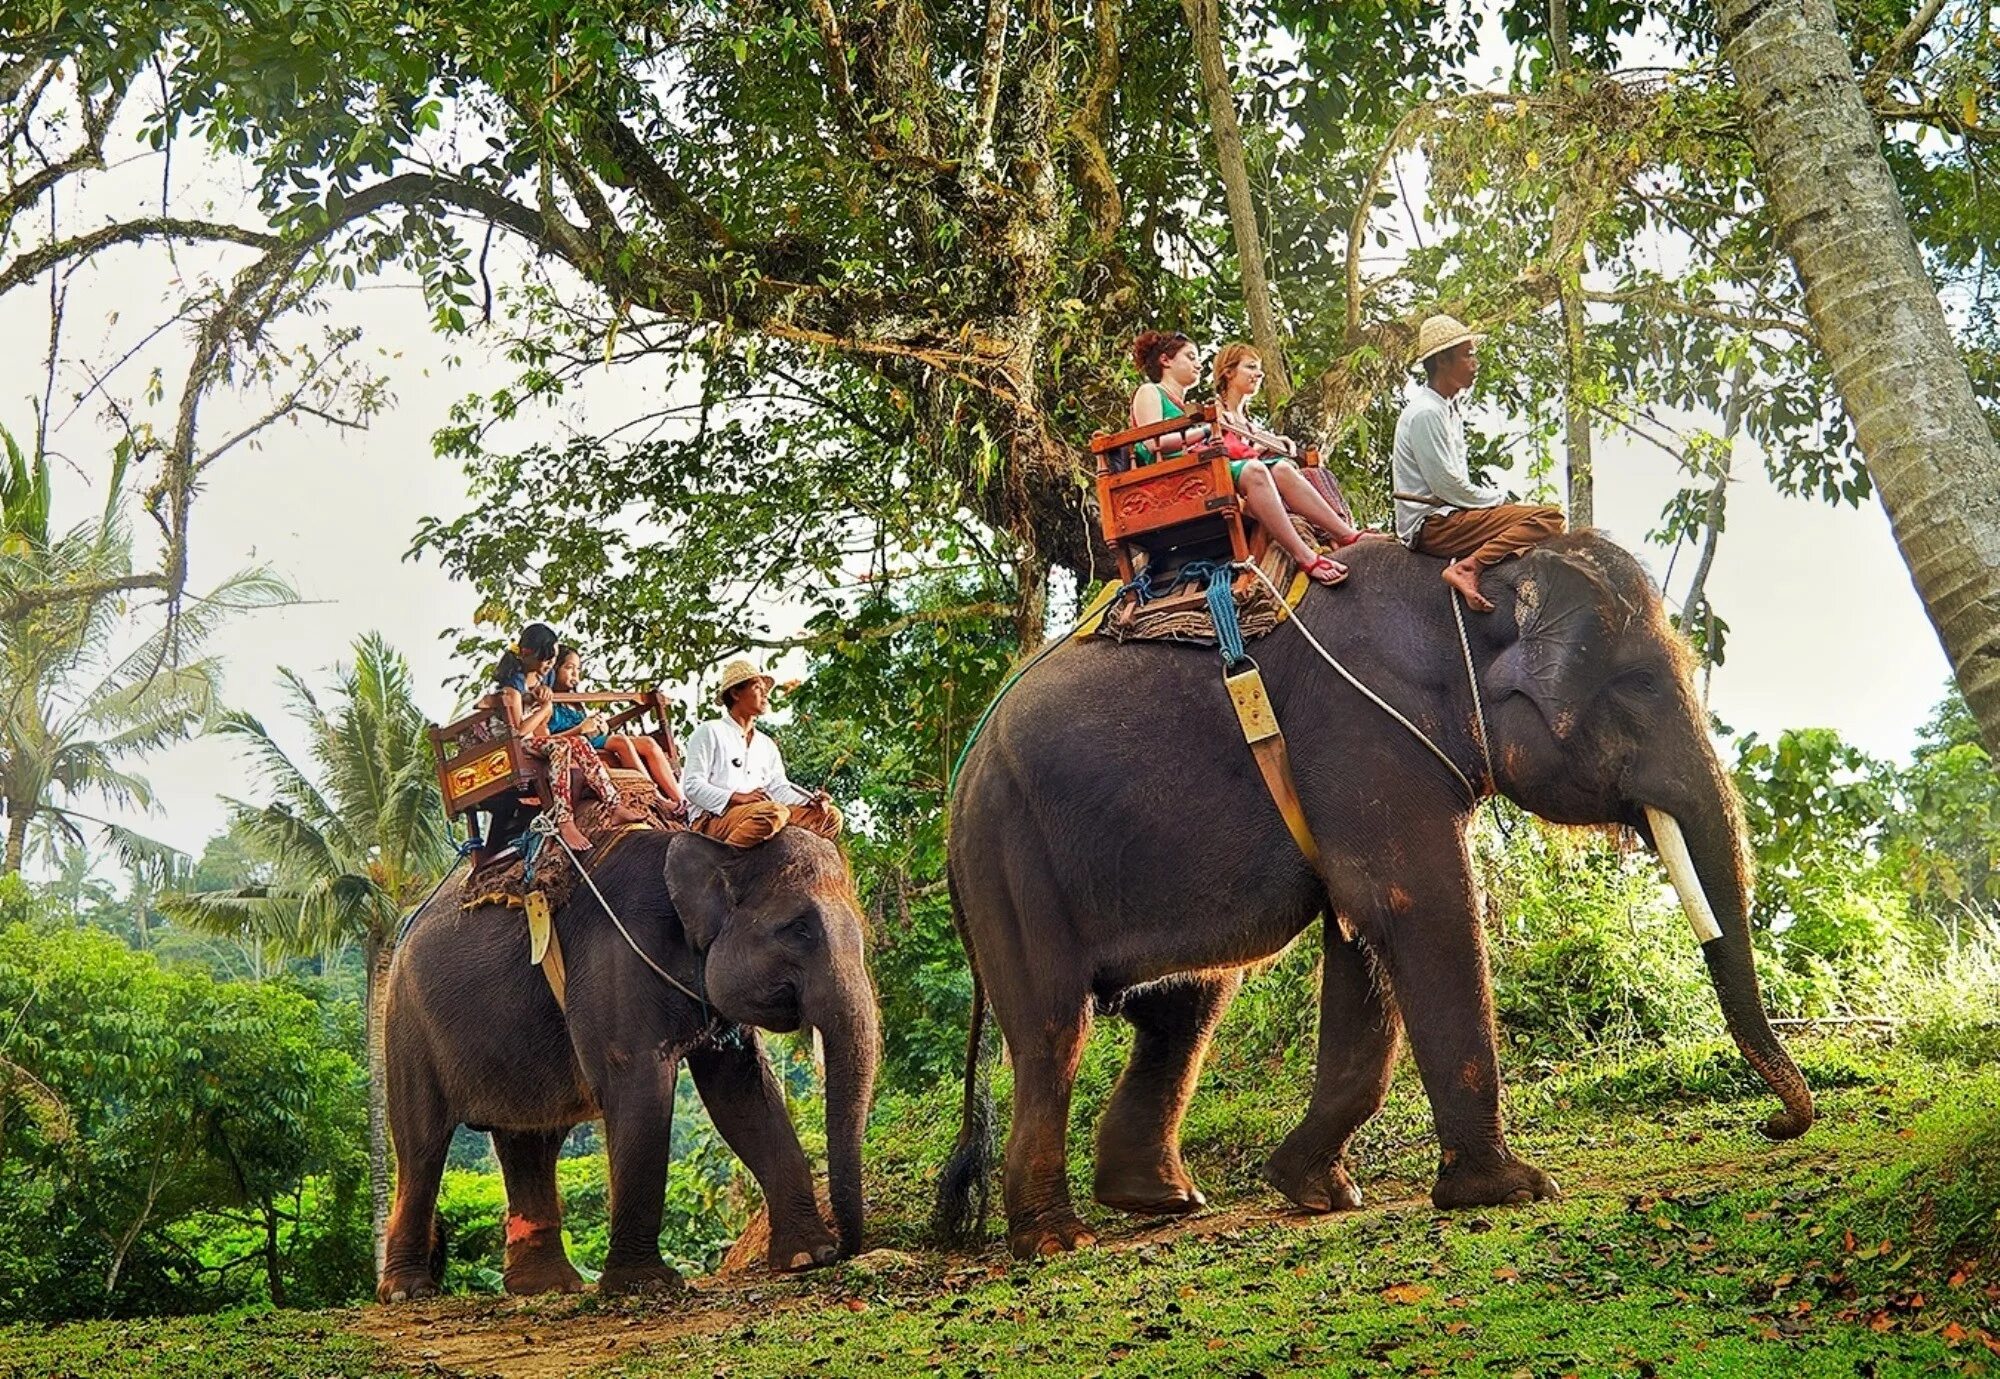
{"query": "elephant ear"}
pixel 1557 659
pixel 699 887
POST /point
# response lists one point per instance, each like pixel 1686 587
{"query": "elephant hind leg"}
pixel 1041 1220
pixel 1139 1166
pixel 536 1260
pixel 1360 1032
pixel 421 1125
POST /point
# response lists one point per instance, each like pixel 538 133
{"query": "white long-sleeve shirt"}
pixel 720 764
pixel 1429 459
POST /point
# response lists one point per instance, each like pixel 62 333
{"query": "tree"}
pixel 80 701
pixel 137 1101
pixel 355 839
pixel 1929 447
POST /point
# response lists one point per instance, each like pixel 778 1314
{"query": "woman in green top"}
pixel 1172 363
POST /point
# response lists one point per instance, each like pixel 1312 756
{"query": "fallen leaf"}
pixel 1506 1274
pixel 1407 1292
pixel 1953 1333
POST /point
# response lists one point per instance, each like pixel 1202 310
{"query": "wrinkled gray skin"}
pixel 1113 847
pixel 475 1037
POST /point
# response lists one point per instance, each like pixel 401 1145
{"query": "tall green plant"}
pixel 355 835
pixel 79 703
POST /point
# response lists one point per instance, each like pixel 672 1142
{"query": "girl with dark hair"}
pixel 641 754
pixel 521 685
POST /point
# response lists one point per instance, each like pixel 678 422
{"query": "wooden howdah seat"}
pixel 482 762
pixel 1175 510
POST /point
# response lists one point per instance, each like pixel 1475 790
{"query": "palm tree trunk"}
pixel 1876 312
pixel 375 955
pixel 1205 23
pixel 17 838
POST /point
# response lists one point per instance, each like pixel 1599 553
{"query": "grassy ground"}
pixel 1685 1245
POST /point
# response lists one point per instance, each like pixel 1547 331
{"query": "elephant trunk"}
pixel 852 1040
pixel 1707 868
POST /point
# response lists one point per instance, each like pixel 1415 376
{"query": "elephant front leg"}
pixel 1139 1166
pixel 1426 926
pixel 743 1099
pixel 1359 1034
pixel 638 1106
pixel 536 1260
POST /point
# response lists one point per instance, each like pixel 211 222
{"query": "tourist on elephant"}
pixel 641 754
pixel 1239 376
pixel 1171 363
pixel 521 684
pixel 735 780
pixel 1439 510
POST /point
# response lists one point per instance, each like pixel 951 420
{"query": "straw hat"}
pixel 739 673
pixel 1439 333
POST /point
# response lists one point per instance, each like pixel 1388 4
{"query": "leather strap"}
pixel 1267 748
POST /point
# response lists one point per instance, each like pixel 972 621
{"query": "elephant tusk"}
pixel 1673 850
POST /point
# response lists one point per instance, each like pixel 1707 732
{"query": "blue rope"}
pixel 1217 575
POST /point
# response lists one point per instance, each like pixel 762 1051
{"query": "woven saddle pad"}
pixel 1257 611
pixel 505 882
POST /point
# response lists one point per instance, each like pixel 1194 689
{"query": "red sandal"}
pixel 1327 562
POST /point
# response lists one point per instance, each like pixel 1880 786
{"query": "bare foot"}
pixel 573 835
pixel 1463 576
pixel 625 814
pixel 1326 570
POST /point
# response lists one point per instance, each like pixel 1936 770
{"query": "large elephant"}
pixel 1114 847
pixel 772 936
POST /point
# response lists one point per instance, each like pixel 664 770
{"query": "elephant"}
pixel 1114 848
pixel 772 936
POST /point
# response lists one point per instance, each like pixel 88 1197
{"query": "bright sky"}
pixel 1826 629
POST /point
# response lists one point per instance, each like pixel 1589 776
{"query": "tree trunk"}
pixel 274 1272
pixel 1582 497
pixel 1031 601
pixel 376 957
pixel 1899 371
pixel 17 838
pixel 1205 23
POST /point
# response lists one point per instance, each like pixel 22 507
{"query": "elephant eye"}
pixel 798 927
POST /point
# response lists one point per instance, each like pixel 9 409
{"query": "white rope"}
pixel 547 828
pixel 1367 693
pixel 1472 680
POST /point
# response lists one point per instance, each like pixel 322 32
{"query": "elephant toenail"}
pixel 802 1260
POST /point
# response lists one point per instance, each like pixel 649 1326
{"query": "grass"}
pixel 1685 1245
pixel 251 1344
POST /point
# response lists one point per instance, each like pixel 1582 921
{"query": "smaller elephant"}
pixel 771 935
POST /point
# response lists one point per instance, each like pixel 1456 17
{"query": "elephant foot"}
pixel 620 1280
pixel 812 1247
pixel 412 1285
pixel 536 1260
pixel 1509 1182
pixel 1051 1238
pixel 544 1271
pixel 1316 1190
pixel 1147 1190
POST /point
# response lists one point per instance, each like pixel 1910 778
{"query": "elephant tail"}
pixel 965 1183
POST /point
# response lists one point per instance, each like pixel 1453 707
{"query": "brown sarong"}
pixel 746 825
pixel 1488 535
